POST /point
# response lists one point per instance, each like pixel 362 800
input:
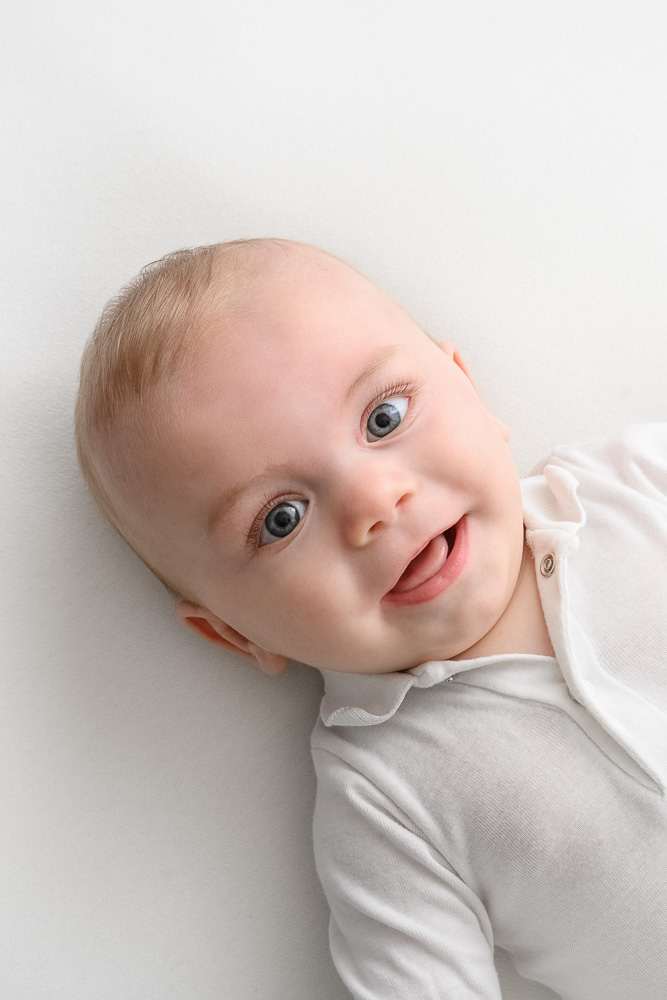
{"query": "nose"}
pixel 370 497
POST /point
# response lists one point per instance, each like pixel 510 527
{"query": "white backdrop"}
pixel 499 168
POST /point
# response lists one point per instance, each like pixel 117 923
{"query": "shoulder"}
pixel 633 456
pixel 358 784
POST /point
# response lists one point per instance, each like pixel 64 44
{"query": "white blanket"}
pixel 499 168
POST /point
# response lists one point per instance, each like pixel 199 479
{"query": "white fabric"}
pixel 518 801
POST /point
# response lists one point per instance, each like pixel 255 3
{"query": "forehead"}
pixel 257 384
pixel 312 321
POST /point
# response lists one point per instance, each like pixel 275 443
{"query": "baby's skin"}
pixel 331 486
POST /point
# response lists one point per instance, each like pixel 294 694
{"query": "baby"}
pixel 314 478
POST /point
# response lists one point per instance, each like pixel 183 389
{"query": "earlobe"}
pixel 214 630
pixel 504 430
pixel 271 663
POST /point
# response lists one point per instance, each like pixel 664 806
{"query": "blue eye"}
pixel 386 417
pixel 282 520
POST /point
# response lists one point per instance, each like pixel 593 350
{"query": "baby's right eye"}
pixel 282 520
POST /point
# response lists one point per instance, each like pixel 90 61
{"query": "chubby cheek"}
pixel 312 614
pixel 261 602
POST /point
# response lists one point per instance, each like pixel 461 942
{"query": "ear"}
pixel 452 351
pixel 214 630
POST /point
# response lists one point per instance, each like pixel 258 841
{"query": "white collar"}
pixel 552 515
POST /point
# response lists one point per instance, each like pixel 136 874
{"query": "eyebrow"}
pixel 369 372
pixel 229 499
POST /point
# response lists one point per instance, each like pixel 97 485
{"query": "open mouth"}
pixel 433 568
pixel 450 538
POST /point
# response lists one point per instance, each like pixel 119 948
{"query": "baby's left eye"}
pixel 386 417
pixel 282 520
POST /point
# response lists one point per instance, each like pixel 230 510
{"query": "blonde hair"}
pixel 146 335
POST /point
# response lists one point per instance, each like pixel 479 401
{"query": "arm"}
pixel 404 926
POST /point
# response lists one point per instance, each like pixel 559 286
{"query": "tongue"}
pixel 428 562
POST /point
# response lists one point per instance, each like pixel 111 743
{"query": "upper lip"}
pixel 421 549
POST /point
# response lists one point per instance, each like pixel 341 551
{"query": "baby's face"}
pixel 337 490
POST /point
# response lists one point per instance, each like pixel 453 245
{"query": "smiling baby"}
pixel 314 478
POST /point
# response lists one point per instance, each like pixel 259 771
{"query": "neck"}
pixel 521 628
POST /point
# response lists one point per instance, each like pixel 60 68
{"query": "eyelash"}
pixel 405 389
pixel 270 500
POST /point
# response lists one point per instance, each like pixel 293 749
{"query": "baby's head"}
pixel 307 471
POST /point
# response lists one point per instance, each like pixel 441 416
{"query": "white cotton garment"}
pixel 517 800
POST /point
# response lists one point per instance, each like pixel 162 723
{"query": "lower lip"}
pixel 445 576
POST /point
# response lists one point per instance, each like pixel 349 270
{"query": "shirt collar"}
pixel 552 515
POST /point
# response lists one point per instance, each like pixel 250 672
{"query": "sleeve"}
pixel 403 925
pixel 635 456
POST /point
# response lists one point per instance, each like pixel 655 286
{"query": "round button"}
pixel 548 564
